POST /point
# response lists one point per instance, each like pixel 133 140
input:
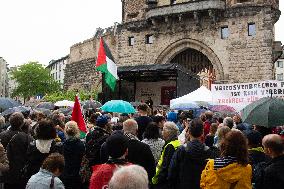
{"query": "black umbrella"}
pixel 65 111
pixel 91 104
pixel 46 105
pixel 46 112
pixel 6 103
pixel 22 109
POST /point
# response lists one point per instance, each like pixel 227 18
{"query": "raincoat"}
pixel 233 176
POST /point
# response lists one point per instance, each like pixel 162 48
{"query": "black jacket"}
pixel 36 158
pixel 73 151
pixel 16 153
pixel 187 165
pixel 257 160
pixel 6 136
pixel 273 177
pixel 138 153
pixel 142 122
pixel 94 141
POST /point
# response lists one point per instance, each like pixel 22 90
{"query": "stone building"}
pixel 57 68
pixel 279 68
pixel 4 85
pixel 209 40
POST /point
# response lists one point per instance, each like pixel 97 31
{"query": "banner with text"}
pixel 239 95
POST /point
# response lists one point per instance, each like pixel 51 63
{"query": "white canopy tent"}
pixel 200 95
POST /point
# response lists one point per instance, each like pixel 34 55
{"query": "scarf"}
pixel 131 136
pixel 258 149
pixel 43 145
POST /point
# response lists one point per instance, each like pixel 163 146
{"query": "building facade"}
pixel 57 68
pixel 220 41
pixel 12 82
pixel 279 68
pixel 4 83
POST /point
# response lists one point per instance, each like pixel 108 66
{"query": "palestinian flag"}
pixel 105 64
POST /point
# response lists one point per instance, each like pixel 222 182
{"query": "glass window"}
pixel 280 77
pixel 149 39
pixel 280 64
pixel 251 29
pixel 131 41
pixel 224 32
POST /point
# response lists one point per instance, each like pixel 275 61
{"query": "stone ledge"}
pixel 185 8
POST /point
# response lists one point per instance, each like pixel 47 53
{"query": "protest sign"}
pixel 239 95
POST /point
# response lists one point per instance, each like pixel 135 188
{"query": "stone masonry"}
pixel 187 24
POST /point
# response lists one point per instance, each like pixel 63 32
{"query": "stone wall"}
pixel 235 59
pixel 133 10
pixel 82 75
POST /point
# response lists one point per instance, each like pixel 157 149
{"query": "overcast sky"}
pixel 42 30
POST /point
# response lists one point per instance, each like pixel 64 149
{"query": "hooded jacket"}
pixel 232 176
pixel 187 164
pixel 102 173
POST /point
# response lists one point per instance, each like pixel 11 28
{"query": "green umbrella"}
pixel 118 106
pixel 267 112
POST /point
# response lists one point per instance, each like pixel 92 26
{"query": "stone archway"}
pixel 179 46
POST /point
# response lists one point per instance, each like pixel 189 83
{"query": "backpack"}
pixel 85 170
pixel 93 146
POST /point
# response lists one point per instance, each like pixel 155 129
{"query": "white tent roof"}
pixel 200 95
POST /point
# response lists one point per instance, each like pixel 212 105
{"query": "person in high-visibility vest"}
pixel 170 134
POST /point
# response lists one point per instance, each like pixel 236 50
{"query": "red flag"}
pixel 77 116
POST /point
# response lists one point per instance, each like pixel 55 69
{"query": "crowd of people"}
pixel 150 149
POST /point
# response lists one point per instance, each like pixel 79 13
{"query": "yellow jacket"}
pixel 233 176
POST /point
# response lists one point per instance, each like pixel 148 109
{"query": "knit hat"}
pixel 116 145
pixel 102 121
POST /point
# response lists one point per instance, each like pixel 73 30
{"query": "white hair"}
pixel 172 128
pixel 130 126
pixel 129 177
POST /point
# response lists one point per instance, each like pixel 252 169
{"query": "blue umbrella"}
pixel 46 105
pixel 118 106
pixel 6 103
pixel 21 109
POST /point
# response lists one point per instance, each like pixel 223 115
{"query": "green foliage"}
pixel 33 79
pixel 70 95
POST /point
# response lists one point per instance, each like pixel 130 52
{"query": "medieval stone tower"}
pixel 232 40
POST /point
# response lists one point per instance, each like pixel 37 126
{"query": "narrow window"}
pixel 280 77
pixel 251 29
pixel 149 39
pixel 173 2
pixel 130 41
pixel 279 64
pixel 224 32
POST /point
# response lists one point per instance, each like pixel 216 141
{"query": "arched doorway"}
pixel 195 57
pixel 197 63
pixel 193 54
